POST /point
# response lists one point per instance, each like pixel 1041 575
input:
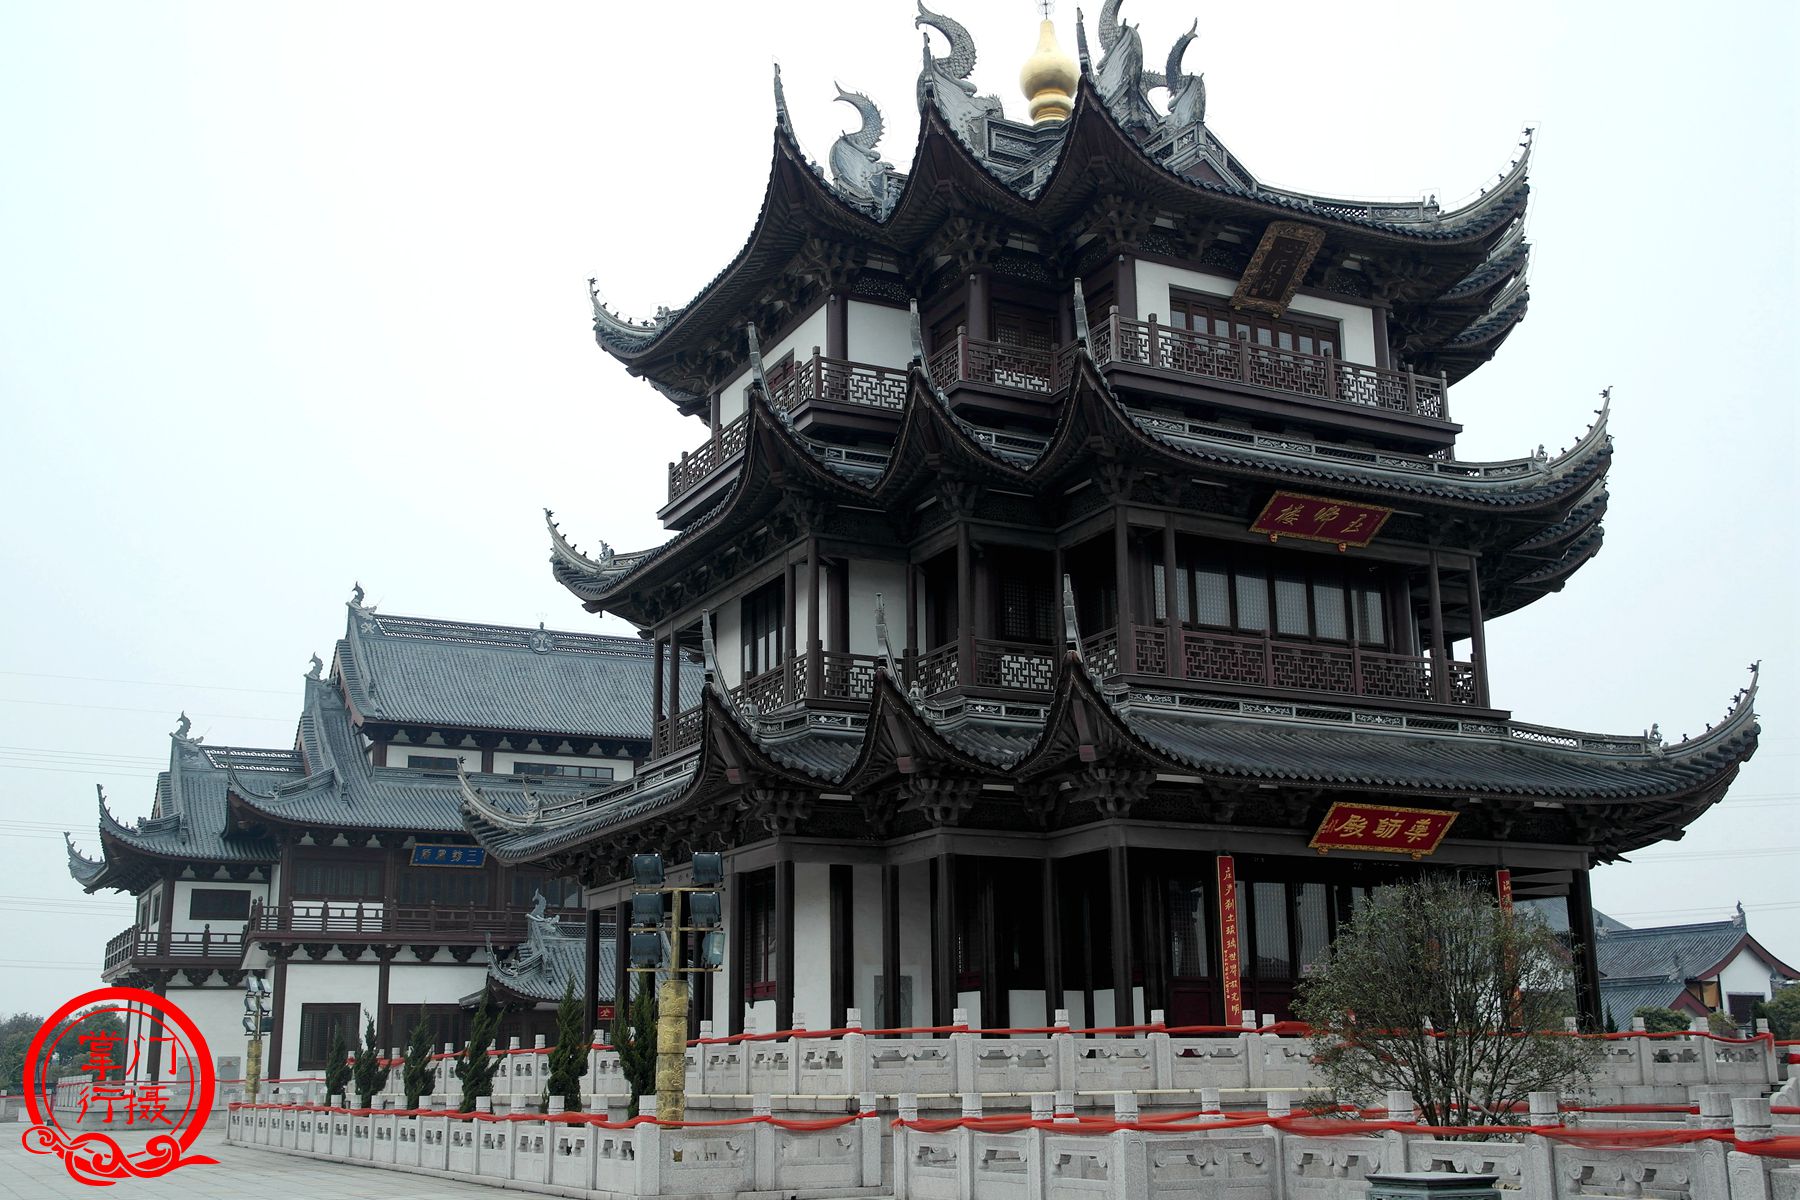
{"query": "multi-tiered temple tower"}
pixel 1093 603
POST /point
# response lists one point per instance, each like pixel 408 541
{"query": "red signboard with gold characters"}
pixel 1229 968
pixel 1319 519
pixel 1382 828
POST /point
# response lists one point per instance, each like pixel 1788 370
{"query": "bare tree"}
pixel 1434 989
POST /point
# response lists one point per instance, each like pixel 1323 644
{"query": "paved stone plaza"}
pixel 239 1172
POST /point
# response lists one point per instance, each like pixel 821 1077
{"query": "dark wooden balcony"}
pixel 808 386
pixel 967 360
pixel 840 677
pixel 1251 365
pixel 356 921
pixel 1205 656
pixel 134 949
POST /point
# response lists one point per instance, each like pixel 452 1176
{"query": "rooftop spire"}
pixel 1050 75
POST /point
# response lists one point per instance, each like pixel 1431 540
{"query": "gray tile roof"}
pixel 187 817
pixel 1620 999
pixel 341 788
pixel 1674 952
pixel 1504 763
pixel 453 673
pixel 552 959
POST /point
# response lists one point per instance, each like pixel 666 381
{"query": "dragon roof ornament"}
pixel 614 332
pixel 945 81
pixel 857 171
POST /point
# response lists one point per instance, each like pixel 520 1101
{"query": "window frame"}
pixel 760 935
pixel 214 893
pixel 1184 302
pixel 762 622
pixel 312 1043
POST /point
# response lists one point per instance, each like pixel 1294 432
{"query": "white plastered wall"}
pixel 184 900
pixel 865 900
pixel 878 335
pixel 1155 282
pixel 505 763
pixel 1747 974
pixel 809 333
pixel 915 942
pixel 867 578
pixel 812 944
pixel 321 983
pixel 218 1012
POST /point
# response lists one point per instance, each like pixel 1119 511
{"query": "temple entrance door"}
pixel 1193 997
pixel 1283 927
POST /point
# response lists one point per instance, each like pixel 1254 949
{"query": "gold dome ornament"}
pixel 1049 76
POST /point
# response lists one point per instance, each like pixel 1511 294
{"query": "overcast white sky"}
pixel 292 295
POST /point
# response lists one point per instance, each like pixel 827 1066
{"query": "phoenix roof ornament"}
pixel 856 169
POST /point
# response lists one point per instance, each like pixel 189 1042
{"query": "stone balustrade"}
pixel 721 1073
pixel 1129 1157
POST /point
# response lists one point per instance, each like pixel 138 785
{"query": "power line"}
pixel 200 687
pixel 155 712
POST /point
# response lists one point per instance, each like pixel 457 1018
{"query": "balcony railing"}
pixel 842 676
pixel 1320 377
pixel 973 360
pixel 303 919
pixel 1349 670
pixel 831 380
pixel 135 943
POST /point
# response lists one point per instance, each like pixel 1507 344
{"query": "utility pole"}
pixel 659 945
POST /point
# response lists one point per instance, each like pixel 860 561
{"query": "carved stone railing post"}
pixel 1399 1106
pixel 1162 1054
pixel 1537 1155
pixel 1748 1174
pixel 856 1053
pixel 962 1050
pixel 1064 1051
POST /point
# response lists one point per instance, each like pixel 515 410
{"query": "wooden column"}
pixel 166 921
pixel 590 983
pixel 1440 656
pixel 737 947
pixel 843 942
pixel 1122 585
pixel 790 599
pixel 1119 876
pixel 271 1069
pixel 943 939
pixel 1478 636
pixel 813 646
pixel 912 649
pixel 384 1029
pixel 1125 292
pixel 1383 353
pixel 965 606
pixel 1587 961
pixel 283 897
pixel 622 976
pixel 993 987
pixel 1053 973
pixel 784 944
pixel 656 689
pixel 976 320
pixel 1171 596
pixel 840 606
pixel 890 947
pixel 837 326
pixel 674 675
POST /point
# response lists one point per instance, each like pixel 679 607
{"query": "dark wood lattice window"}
pixel 333 879
pixel 446 1024
pixel 1215 316
pixel 219 904
pixel 1291 598
pixel 457 886
pixel 759 934
pixel 317 1021
pixel 764 613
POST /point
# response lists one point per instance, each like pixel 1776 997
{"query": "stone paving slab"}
pixel 240 1172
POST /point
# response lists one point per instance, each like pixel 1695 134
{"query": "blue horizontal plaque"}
pixel 449 856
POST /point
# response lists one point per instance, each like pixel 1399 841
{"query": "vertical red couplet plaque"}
pixel 1228 942
pixel 1503 890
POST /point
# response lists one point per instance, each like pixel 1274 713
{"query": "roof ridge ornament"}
pixel 315 667
pixel 783 121
pixel 182 725
pixel 1071 626
pixel 1081 45
pixel 946 80
pixel 356 595
pixel 564 550
pixel 881 638
pixel 857 171
pixel 1187 93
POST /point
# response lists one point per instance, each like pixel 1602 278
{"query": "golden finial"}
pixel 1049 76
